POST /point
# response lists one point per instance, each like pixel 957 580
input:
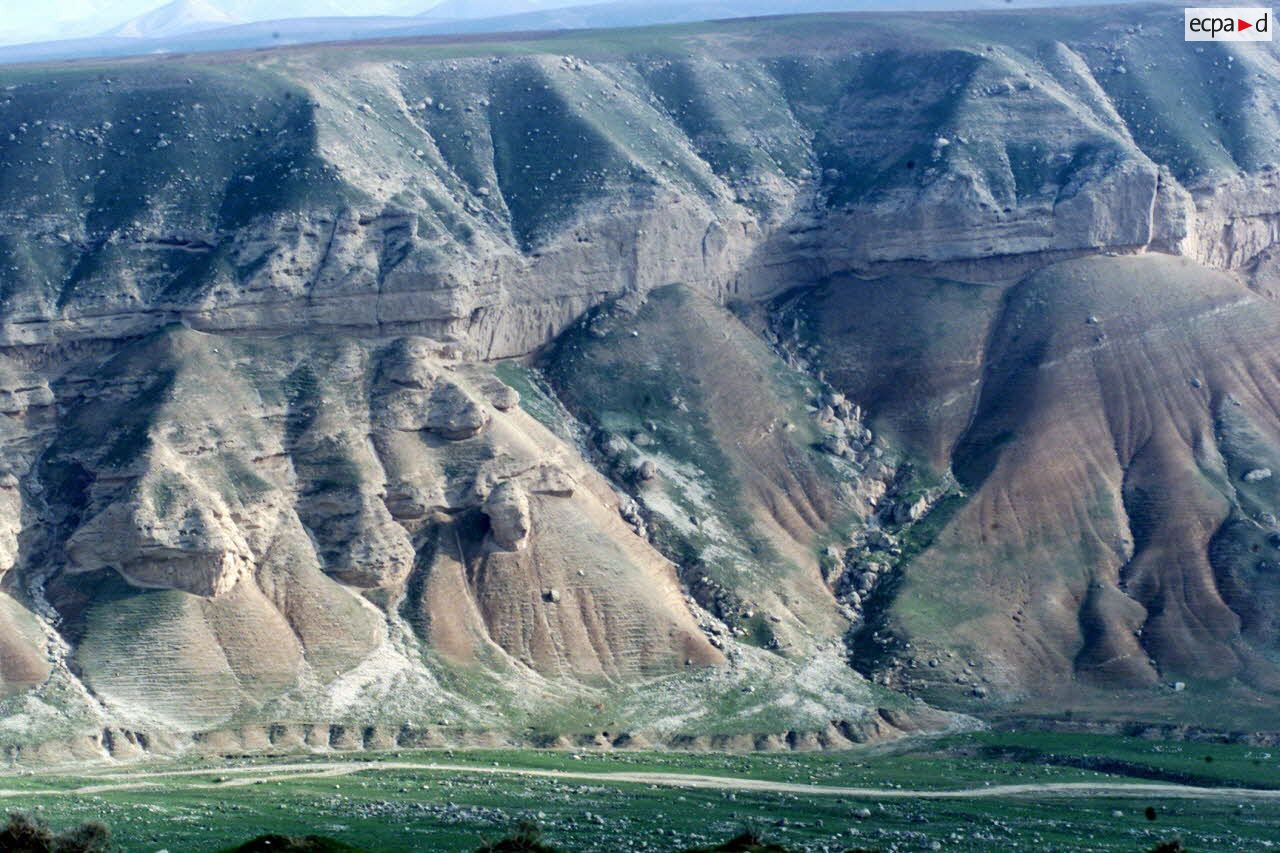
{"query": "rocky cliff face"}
pixel 487 200
pixel 262 462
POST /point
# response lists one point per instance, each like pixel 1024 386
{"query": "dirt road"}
pixel 240 776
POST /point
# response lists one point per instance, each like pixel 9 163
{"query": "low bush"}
pixel 27 834
pixel 527 839
pixel 747 842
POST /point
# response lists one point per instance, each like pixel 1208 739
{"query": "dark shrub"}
pixel 747 842
pixel 26 834
pixel 91 837
pixel 527 839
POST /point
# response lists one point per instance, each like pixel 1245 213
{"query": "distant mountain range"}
pixel 452 10
pixel 184 17
pixel 205 25
pixel 174 19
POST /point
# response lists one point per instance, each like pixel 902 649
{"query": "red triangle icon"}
pixel 1244 25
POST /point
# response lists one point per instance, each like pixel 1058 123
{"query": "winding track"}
pixel 242 776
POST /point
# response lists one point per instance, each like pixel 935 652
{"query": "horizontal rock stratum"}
pixel 777 382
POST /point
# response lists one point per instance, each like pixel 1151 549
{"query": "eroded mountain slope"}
pixel 238 533
pixel 487 194
pixel 816 370
pixel 1163 398
pixel 1115 456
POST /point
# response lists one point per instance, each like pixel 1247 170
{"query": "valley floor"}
pixel 975 792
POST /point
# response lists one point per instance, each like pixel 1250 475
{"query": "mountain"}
pixel 173 19
pixel 279 10
pixel 459 9
pixel 185 17
pixel 754 384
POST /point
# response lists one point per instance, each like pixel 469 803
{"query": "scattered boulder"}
pixel 836 445
pixel 881 539
pixel 614 446
pixel 503 397
pixel 1257 475
pixel 908 511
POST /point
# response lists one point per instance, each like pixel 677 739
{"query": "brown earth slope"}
pixel 1118 435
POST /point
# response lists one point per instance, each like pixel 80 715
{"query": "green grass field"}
pixel 377 803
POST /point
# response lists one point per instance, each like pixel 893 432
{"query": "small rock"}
pixel 614 446
pixel 835 445
pixel 913 511
pixel 1257 475
pixel 880 539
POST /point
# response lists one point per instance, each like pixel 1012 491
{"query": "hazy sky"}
pixel 45 20
pixel 21 20
pixel 53 17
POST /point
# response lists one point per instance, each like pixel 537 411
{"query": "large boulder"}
pixel 454 415
pixel 409 362
pixel 509 520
